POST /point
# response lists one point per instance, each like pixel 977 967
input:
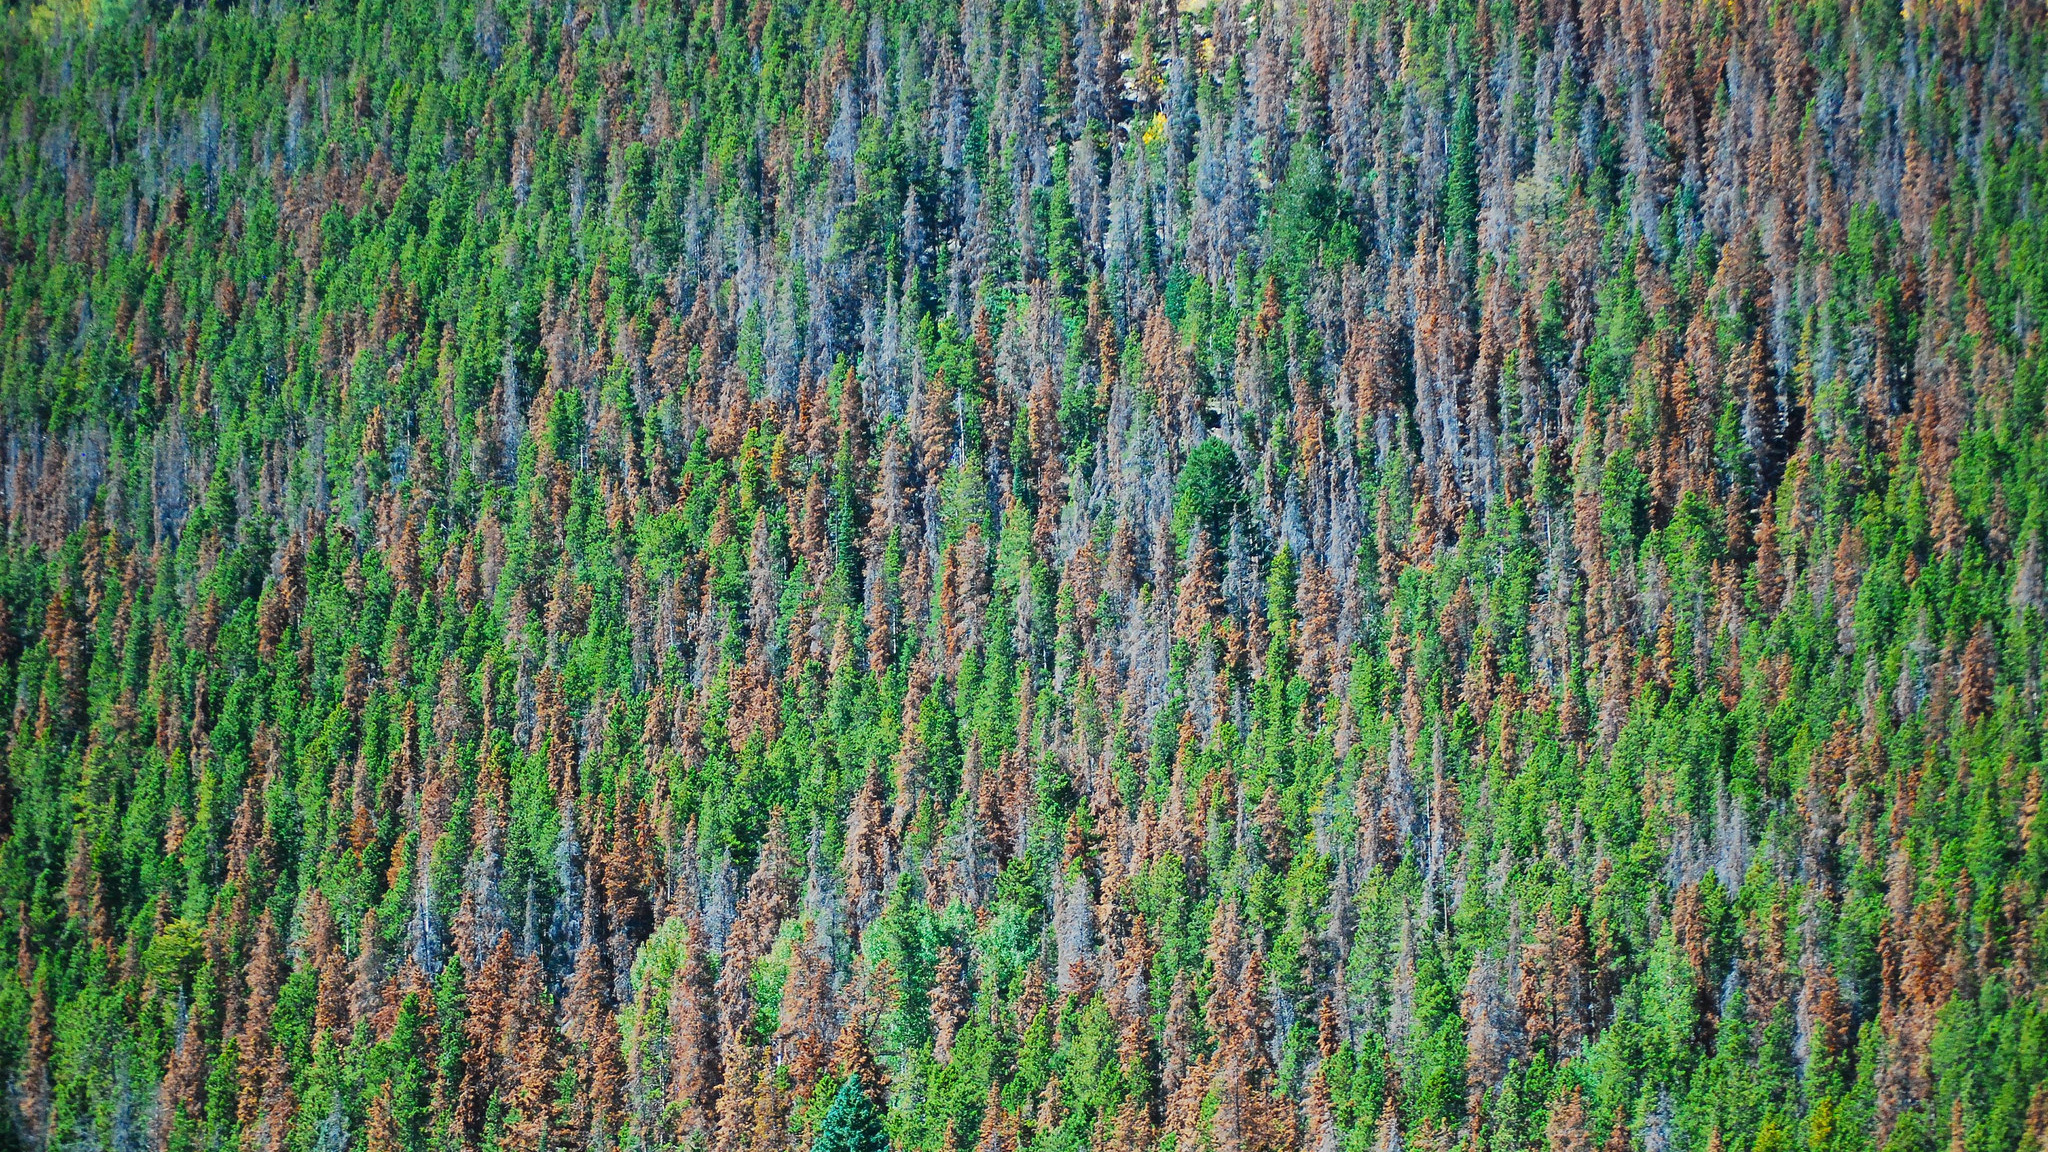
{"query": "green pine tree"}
pixel 854 1122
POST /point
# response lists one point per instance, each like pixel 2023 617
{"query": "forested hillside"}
pixel 1231 576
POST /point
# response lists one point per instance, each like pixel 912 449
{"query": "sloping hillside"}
pixel 1263 576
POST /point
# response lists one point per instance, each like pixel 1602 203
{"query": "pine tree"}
pixel 853 1123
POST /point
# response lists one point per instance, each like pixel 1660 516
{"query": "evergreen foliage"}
pixel 853 1123
pixel 1228 576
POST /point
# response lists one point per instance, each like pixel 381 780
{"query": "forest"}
pixel 1023 575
